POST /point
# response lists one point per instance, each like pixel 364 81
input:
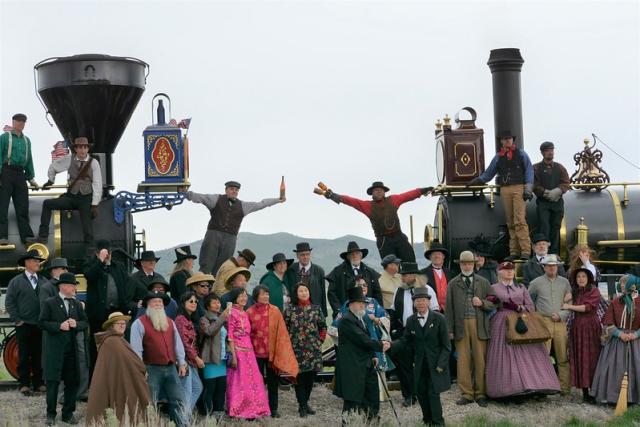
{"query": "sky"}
pixel 343 92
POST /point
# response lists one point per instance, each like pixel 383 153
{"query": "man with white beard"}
pixel 165 364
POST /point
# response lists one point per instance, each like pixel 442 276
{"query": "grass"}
pixel 4 375
pixel 630 418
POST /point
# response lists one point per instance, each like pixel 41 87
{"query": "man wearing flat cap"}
pixel 16 168
pixel 244 259
pixel 227 213
pixel 310 273
pixel 62 318
pixel 515 178
pixel 382 211
pixel 550 182
pixel 84 192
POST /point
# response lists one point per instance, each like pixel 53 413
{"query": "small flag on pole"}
pixel 173 122
pixel 7 128
pixel 59 150
pixel 184 123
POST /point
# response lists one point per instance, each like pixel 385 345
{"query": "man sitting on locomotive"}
pixel 83 194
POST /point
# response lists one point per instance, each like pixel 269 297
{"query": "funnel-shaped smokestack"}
pixel 505 65
pixel 92 96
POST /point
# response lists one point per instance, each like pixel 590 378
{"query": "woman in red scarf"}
pixel 271 344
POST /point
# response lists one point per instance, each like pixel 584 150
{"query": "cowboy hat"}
pixel 278 258
pixel 155 294
pixel 377 184
pixel 353 247
pixel 200 277
pixel 550 259
pixel 146 256
pixel 182 253
pixel 113 318
pixel 436 247
pixel 32 254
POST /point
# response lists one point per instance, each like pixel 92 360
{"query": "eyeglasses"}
pixel 120 323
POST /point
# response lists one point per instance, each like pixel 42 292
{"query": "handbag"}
pixel 526 328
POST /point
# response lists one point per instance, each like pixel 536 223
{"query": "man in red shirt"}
pixel 382 211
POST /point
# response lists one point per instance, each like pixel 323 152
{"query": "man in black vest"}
pixel 61 318
pixel 515 178
pixel 550 182
pixel 312 274
pixel 83 194
pixel 227 213
pixel 382 211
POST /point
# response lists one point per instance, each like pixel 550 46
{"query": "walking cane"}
pixel 386 392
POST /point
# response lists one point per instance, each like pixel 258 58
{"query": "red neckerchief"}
pixel 304 303
pixel 507 151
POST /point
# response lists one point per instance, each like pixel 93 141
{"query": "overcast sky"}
pixel 347 93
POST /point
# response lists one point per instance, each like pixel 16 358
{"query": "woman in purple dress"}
pixel 246 395
pixel 516 370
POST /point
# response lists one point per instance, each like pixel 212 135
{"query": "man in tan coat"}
pixel 389 279
pixel 245 258
pixel 467 317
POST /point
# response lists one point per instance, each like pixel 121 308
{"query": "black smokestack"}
pixel 505 65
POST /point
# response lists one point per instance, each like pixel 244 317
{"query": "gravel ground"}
pixel 17 410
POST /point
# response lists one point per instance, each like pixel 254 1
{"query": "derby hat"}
pixel 235 184
pixel 436 247
pixel 113 318
pixel 377 184
pixel 57 263
pixel 32 254
pixel 67 279
pixel 466 256
pixel 158 279
pixel 390 259
pixel 278 258
pixel 409 268
pixel 232 275
pixel 182 253
pixel 421 292
pixel 506 134
pixel 547 145
pixel 353 247
pixel 303 247
pixel 355 295
pixel 248 255
pixel 539 237
pixel 155 294
pixel 551 259
pixel 200 277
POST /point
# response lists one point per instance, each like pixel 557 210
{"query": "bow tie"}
pixel 421 317
pixel 437 268
pixel 68 299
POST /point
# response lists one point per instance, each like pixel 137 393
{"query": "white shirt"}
pixel 407 309
pixel 65 301
pixel 63 163
pixel 438 271
pixel 423 318
pixel 354 268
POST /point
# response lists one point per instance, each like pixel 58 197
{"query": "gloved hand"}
pixel 474 182
pixel 332 196
pixel 546 194
pixel 554 195
pixel 527 194
pixel 34 184
pixel 426 190
pixel 47 185
pixel 94 211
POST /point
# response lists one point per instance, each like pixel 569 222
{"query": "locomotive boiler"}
pixel 601 213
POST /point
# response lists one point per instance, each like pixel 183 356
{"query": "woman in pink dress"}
pixel 246 395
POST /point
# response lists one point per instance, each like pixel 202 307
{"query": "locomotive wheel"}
pixel 10 354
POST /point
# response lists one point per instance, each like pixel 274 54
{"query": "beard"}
pixel 158 319
pixel 359 313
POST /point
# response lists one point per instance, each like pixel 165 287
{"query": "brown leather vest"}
pixel 226 216
pixel 384 218
pixel 158 348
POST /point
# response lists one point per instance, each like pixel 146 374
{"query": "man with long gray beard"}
pixel 165 363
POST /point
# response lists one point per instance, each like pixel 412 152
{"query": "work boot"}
pixel 39 239
pixel 25 390
pixel 310 410
pixel 463 401
pixel 302 410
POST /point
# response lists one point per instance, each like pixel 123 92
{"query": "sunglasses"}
pixel 203 285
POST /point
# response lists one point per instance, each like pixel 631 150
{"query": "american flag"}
pixel 7 128
pixel 173 122
pixel 184 123
pixel 59 150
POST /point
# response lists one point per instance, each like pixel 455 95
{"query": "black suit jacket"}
pixel 317 289
pixel 96 273
pixel 532 269
pixel 56 341
pixel 342 278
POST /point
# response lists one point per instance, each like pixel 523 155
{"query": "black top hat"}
pixel 103 244
pixel 377 184
pixel 506 134
pixel 32 254
pixel 155 294
pixel 277 258
pixel 547 145
pixel 355 295
pixel 539 237
pixel 232 184
pixel 67 279
pixel 303 247
pixel 409 268
pixel 19 117
pixel 353 247
pixel 481 245
pixel 158 279
pixel 421 292
pixel 248 255
pixel 182 253
pixel 436 247
pixel 58 263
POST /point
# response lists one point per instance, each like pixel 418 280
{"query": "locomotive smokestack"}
pixel 505 65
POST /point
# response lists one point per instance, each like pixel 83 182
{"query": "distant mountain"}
pixel 326 252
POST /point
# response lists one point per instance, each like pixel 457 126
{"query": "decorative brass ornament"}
pixel 589 170
pixel 465 159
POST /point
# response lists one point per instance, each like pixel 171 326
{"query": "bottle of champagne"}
pixel 282 188
pixel 322 186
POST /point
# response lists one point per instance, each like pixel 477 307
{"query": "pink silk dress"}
pixel 246 395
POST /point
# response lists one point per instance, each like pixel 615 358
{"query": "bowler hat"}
pixel 550 259
pixel 466 256
pixel 547 145
pixel 539 237
pixel 67 279
pixel 278 258
pixel 232 184
pixel 377 184
pixel 158 279
pixel 303 247
pixel 409 268
pixel 58 263
pixel 182 253
pixel 421 292
pixel 506 134
pixel 113 318
pixel 355 295
pixel 155 294
pixel 390 259
pixel 19 117
pixel 32 254
pixel 436 247
pixel 103 244
pixel 353 247
pixel 248 255
pixel 200 277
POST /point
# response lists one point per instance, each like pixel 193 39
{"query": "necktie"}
pixel 467 281
pixel 67 306
pixel 34 279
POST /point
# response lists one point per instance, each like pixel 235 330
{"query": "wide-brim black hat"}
pixel 436 247
pixel 248 255
pixel 158 280
pixel 182 253
pixel 409 268
pixel 146 256
pixel 303 247
pixel 57 263
pixel 506 134
pixel 353 247
pixel 32 254
pixel 278 258
pixel 155 294
pixel 377 184
pixel 355 295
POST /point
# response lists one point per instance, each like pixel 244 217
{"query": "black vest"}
pixel 384 218
pixel 549 177
pixel 226 216
pixel 511 172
